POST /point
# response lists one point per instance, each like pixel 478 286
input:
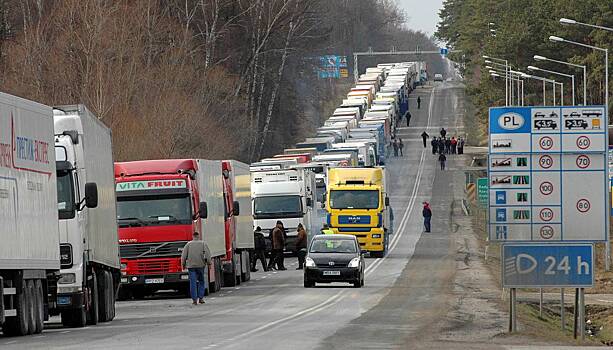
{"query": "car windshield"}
pixel 154 210
pixel 342 246
pixel 277 207
pixel 65 195
pixel 354 199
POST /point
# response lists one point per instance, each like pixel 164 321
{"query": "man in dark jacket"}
pixel 442 159
pixel 418 102
pixel 259 250
pixel 408 118
pixel 447 146
pixel 301 245
pixel 427 214
pixel 278 245
pixel 443 132
pixel 424 137
pixel 434 144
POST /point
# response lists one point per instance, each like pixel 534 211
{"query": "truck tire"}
pixel 246 272
pixel 105 298
pixel 216 286
pixel 31 301
pixel 92 312
pixel 229 278
pixel 238 265
pixel 18 325
pixel 39 310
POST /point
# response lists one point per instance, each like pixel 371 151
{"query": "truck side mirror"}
pixel 387 201
pixel 236 211
pixel 203 210
pixel 91 195
pixel 309 202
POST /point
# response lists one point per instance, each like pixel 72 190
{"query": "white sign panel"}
pixel 548 174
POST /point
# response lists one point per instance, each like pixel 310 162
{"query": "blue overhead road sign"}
pixel 444 51
pixel 547 265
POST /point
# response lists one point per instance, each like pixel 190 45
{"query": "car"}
pixel 334 258
pixel 438 77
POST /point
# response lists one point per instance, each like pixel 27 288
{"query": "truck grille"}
pixel 354 220
pixel 152 267
pixel 151 250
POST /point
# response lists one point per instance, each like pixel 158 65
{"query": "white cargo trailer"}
pixel 89 247
pixel 240 180
pixel 29 233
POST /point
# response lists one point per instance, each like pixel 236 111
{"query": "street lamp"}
pixel 514 76
pixel 533 68
pixel 568 21
pixel 543 58
pixel 544 80
pixel 490 59
pixel 606 67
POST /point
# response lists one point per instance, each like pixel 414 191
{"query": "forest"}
pixel 195 78
pixel 516 30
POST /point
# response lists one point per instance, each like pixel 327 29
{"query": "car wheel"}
pixel 308 283
pixel 357 284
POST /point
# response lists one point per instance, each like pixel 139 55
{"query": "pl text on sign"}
pixel 548 176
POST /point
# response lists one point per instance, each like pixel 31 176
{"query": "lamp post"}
pixel 543 58
pixel 544 80
pixel 569 21
pixel 514 76
pixel 534 68
pixel 490 59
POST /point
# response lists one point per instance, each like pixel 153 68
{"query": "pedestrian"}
pixel 401 147
pixel 301 245
pixel 441 145
pixel 278 245
pixel 442 159
pixel 443 132
pixel 418 102
pixel 461 146
pixel 424 137
pixel 447 146
pixel 434 144
pixel 195 258
pixel 408 118
pixel 454 145
pixel 427 214
pixel 326 230
pixel 259 251
pixel 395 145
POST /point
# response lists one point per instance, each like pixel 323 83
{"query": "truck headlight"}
pixel 376 235
pixel 67 278
pixel 355 262
pixel 124 266
pixel 309 262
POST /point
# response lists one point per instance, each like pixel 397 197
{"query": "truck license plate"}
pixel 154 280
pixel 332 273
pixel 63 300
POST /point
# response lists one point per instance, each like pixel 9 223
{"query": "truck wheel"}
pixel 308 283
pixel 229 278
pixel 74 318
pixel 246 273
pixel 105 297
pixel 92 312
pixel 18 326
pixel 111 302
pixel 31 302
pixel 39 310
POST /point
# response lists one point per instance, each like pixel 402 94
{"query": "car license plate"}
pixel 63 300
pixel 154 280
pixel 332 273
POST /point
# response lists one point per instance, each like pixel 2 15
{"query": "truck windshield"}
pixel 354 199
pixel 154 210
pixel 277 207
pixel 65 195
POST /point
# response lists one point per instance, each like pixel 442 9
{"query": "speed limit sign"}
pixel 583 142
pixel 583 161
pixel 583 205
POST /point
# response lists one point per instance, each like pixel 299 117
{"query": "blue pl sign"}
pixel 547 265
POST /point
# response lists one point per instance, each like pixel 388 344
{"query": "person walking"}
pixel 442 159
pixel 418 102
pixel 454 145
pixel 443 132
pixel 447 146
pixel 259 251
pixel 434 144
pixel 326 230
pixel 461 146
pixel 278 245
pixel 301 246
pixel 195 258
pixel 424 137
pixel 395 145
pixel 400 147
pixel 427 214
pixel 441 145
pixel 408 118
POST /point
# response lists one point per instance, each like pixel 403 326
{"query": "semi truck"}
pixel 160 204
pixel 29 228
pixel 357 204
pixel 287 195
pixel 89 252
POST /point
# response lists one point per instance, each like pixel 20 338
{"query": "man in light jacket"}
pixel 196 257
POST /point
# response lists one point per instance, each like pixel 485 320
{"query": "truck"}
pixel 29 227
pixel 160 204
pixel 357 204
pixel 287 195
pixel 89 248
pixel 238 223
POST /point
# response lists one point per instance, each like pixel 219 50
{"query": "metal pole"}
pixel 514 309
pixel 554 93
pixel 356 73
pixel 576 315
pixel 541 303
pixel 561 94
pixel 544 93
pixel 522 92
pixel 573 79
pixel 518 93
pixel 562 310
pixel 506 82
pixel 606 102
pixel 582 310
pixel 585 86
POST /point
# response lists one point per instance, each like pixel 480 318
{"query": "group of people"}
pixel 277 237
pixel 443 145
pixel 398 146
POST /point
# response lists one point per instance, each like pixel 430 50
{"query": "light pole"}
pixel 490 59
pixel 606 73
pixel 543 58
pixel 544 80
pixel 514 76
pixel 569 21
pixel 534 68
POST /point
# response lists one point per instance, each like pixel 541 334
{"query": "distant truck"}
pixel 89 251
pixel 29 232
pixel 357 204
pixel 287 195
pixel 160 204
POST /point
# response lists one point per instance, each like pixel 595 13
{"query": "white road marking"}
pixel 10 342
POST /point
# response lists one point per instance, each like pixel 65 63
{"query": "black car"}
pixel 334 258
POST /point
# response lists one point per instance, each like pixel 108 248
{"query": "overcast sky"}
pixel 422 14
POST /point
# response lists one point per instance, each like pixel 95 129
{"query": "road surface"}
pixel 405 292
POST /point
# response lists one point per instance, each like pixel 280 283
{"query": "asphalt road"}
pixel 404 292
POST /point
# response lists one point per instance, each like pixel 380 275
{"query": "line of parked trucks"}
pixel 78 231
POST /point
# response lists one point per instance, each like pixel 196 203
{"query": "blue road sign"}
pixel 444 51
pixel 501 215
pixel 501 197
pixel 547 265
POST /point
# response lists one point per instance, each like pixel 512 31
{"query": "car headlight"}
pixel 67 278
pixel 309 262
pixel 355 262
pixel 376 235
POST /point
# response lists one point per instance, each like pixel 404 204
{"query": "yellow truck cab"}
pixel 357 204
